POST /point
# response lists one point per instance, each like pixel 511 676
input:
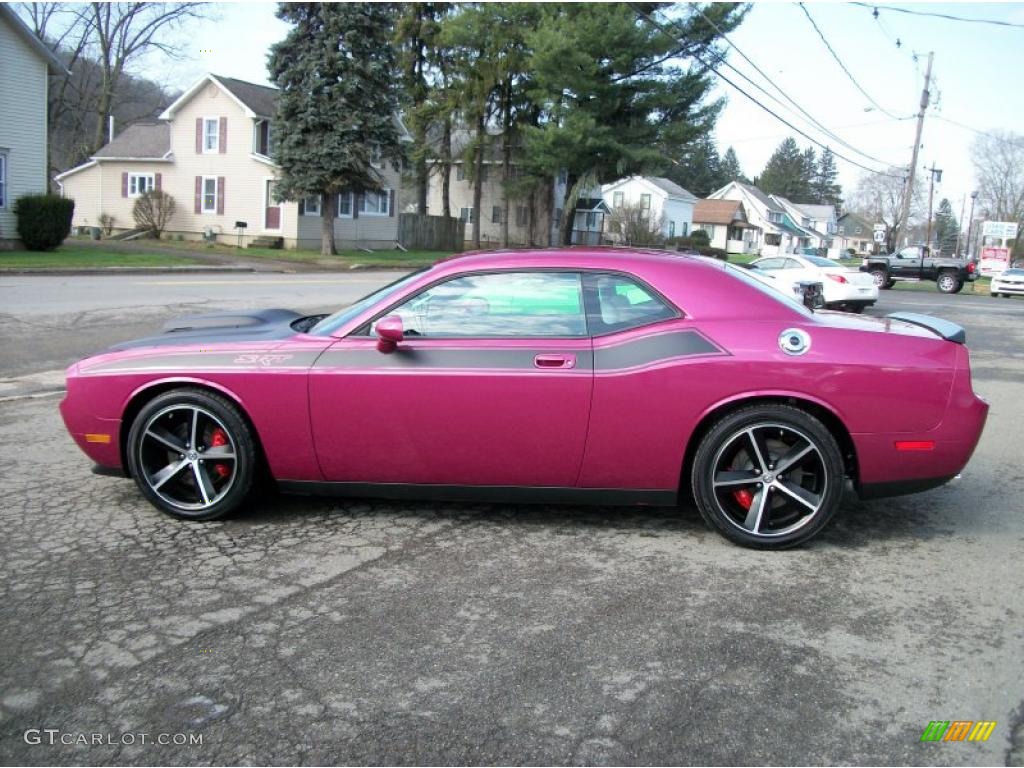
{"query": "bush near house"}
pixel 44 221
pixel 700 237
pixel 696 244
pixel 152 211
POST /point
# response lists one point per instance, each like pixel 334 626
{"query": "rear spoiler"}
pixel 947 330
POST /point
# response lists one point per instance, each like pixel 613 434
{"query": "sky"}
pixel 977 71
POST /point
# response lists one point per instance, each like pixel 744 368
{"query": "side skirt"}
pixel 484 493
pixel 870 491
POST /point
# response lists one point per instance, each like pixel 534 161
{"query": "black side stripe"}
pixel 652 349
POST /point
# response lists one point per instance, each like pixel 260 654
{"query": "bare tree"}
pixel 631 224
pixel 998 158
pixel 124 32
pixel 879 199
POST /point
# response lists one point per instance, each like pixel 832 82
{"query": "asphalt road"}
pixel 320 632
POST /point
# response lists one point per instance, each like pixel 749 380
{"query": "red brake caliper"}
pixel 744 497
pixel 220 438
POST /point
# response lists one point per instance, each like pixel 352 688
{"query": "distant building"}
pixel 25 64
pixel 855 232
pixel 663 198
pixel 727 225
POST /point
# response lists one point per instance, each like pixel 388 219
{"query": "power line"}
pixel 771 112
pixel 843 66
pixel 810 118
pixel 1011 142
pixel 948 17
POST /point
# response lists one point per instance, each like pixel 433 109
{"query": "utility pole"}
pixel 909 191
pixel 936 176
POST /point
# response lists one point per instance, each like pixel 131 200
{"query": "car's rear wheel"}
pixel 768 476
pixel 947 282
pixel 192 454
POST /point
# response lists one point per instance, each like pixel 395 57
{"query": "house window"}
pixel 710 229
pixel 522 216
pixel 345 204
pixel 686 228
pixel 774 217
pixel 805 222
pixel 3 179
pixel 139 184
pixel 376 156
pixel 376 203
pixel 460 172
pixel 591 220
pixel 311 206
pixel 671 229
pixel 263 141
pixel 209 194
pixel 466 214
pixel 211 134
pixel 772 239
pixel 618 199
pixel 645 202
pixel 496 214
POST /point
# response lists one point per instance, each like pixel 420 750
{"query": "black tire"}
pixel 217 470
pixel 857 308
pixel 994 295
pixel 948 282
pixel 818 478
pixel 881 278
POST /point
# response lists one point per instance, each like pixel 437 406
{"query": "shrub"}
pixel 152 211
pixel 700 237
pixel 43 220
pixel 632 224
pixel 107 224
pixel 852 252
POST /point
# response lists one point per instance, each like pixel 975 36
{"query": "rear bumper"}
pixel 1007 288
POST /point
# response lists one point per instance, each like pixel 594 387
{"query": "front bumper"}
pixel 998 286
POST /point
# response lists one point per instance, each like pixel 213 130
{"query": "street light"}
pixel 970 222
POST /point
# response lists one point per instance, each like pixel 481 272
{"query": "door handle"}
pixel 554 361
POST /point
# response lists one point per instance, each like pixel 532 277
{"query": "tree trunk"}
pixel 506 159
pixel 565 231
pixel 531 218
pixel 328 213
pixel 478 181
pixel 446 168
pixel 103 107
pixel 422 172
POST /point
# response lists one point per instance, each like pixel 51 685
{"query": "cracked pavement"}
pixel 312 631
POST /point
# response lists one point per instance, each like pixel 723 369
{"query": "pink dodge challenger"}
pixel 604 376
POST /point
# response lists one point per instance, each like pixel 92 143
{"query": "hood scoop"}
pixel 222 320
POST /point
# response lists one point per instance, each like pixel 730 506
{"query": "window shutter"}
pixel 391 204
pixel 223 133
pixel 124 185
pixel 199 135
pixel 157 181
pixel 302 206
pixel 199 194
pixel 220 193
pixel 357 203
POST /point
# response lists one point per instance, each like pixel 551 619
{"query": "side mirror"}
pixel 389 333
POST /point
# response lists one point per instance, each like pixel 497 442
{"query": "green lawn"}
pixel 396 257
pixel 72 257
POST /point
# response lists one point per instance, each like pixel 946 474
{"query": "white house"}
pixel 819 221
pixel 25 65
pixel 665 200
pixel 727 225
pixel 212 150
pixel 776 231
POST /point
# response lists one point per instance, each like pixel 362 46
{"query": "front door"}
pixel 272 213
pixel 907 263
pixel 491 386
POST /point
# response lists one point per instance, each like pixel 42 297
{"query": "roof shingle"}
pixel 140 140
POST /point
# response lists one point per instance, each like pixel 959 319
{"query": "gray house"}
pixel 26 64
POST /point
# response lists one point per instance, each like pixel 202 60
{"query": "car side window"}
pixel 769 264
pixel 498 305
pixel 792 264
pixel 617 303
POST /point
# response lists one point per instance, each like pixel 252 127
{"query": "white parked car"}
pixel 845 288
pixel 1009 282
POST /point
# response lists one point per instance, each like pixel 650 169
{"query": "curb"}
pixel 59 271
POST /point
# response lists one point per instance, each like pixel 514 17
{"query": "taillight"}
pixel 970 266
pixel 837 278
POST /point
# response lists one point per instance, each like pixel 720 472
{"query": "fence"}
pixel 430 233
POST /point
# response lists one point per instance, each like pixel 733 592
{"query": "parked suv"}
pixel 916 263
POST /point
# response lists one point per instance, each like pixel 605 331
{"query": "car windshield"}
pixel 779 295
pixel 331 323
pixel 1013 273
pixel 818 261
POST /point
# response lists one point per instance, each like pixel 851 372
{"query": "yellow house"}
pixel 212 151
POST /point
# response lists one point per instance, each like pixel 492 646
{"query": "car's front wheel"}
pixel 881 278
pixel 768 476
pixel 192 454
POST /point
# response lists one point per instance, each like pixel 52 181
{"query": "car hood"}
pixel 220 327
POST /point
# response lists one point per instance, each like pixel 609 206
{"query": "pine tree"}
pixel 824 189
pixel 700 170
pixel 786 172
pixel 730 167
pixel 337 104
pixel 946 227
